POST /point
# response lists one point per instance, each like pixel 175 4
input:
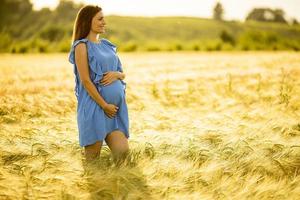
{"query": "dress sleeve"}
pixel 111 45
pixel 72 51
pixel 94 65
pixel 72 60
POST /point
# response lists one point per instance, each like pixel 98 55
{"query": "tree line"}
pixel 23 29
pixel 257 14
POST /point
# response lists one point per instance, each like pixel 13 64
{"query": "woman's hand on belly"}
pixel 110 110
pixel 109 77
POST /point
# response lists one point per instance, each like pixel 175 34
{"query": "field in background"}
pixel 202 125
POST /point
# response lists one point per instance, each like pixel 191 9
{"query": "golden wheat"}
pixel 203 126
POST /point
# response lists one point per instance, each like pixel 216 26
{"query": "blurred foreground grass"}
pixel 203 126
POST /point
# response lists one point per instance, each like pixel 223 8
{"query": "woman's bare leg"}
pixel 118 144
pixel 92 151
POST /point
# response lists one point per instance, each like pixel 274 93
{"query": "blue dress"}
pixel 93 123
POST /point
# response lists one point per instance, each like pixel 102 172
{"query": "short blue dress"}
pixel 93 124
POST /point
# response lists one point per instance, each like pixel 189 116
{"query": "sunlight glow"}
pixel 39 4
pixel 234 9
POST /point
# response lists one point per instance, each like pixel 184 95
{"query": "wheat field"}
pixel 212 125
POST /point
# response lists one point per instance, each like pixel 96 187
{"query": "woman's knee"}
pixel 93 150
pixel 122 150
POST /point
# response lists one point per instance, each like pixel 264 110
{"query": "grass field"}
pixel 202 125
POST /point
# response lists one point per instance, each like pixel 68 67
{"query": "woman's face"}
pixel 98 23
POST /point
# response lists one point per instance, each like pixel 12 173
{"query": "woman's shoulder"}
pixel 72 50
pixel 109 43
pixel 76 42
pixel 106 41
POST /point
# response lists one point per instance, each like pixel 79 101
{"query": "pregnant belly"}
pixel 113 93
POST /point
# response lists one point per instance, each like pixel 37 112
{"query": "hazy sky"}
pixel 234 9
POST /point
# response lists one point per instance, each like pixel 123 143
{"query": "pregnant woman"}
pixel 99 87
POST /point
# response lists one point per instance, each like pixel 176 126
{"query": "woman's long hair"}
pixel 83 21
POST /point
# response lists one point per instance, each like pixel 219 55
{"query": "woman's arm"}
pixel 121 75
pixel 81 61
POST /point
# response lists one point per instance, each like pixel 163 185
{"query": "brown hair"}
pixel 83 21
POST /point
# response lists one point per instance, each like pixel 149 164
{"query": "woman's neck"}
pixel 93 37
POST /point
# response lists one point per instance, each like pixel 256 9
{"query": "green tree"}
pixel 260 14
pixel 279 16
pixel 218 11
pixel 266 15
pixel 66 11
pixel 227 37
pixel 12 11
pixel 52 33
pixel 295 21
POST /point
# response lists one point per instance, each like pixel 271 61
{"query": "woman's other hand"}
pixel 109 77
pixel 110 110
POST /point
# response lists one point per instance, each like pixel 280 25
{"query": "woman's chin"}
pixel 101 31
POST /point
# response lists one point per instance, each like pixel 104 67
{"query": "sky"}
pixel 233 9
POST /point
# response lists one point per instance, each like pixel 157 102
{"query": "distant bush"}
pixel 52 33
pixel 178 47
pixel 227 47
pixel 218 46
pixel 174 46
pixel 196 47
pixel 245 47
pixel 64 45
pixel 267 40
pixel 255 39
pixel 23 49
pixel 271 38
pixel 13 50
pixel 227 37
pixel 213 46
pixel 129 47
pixel 39 45
pixel 153 48
pixel 294 45
pixel 31 46
pixel 5 41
